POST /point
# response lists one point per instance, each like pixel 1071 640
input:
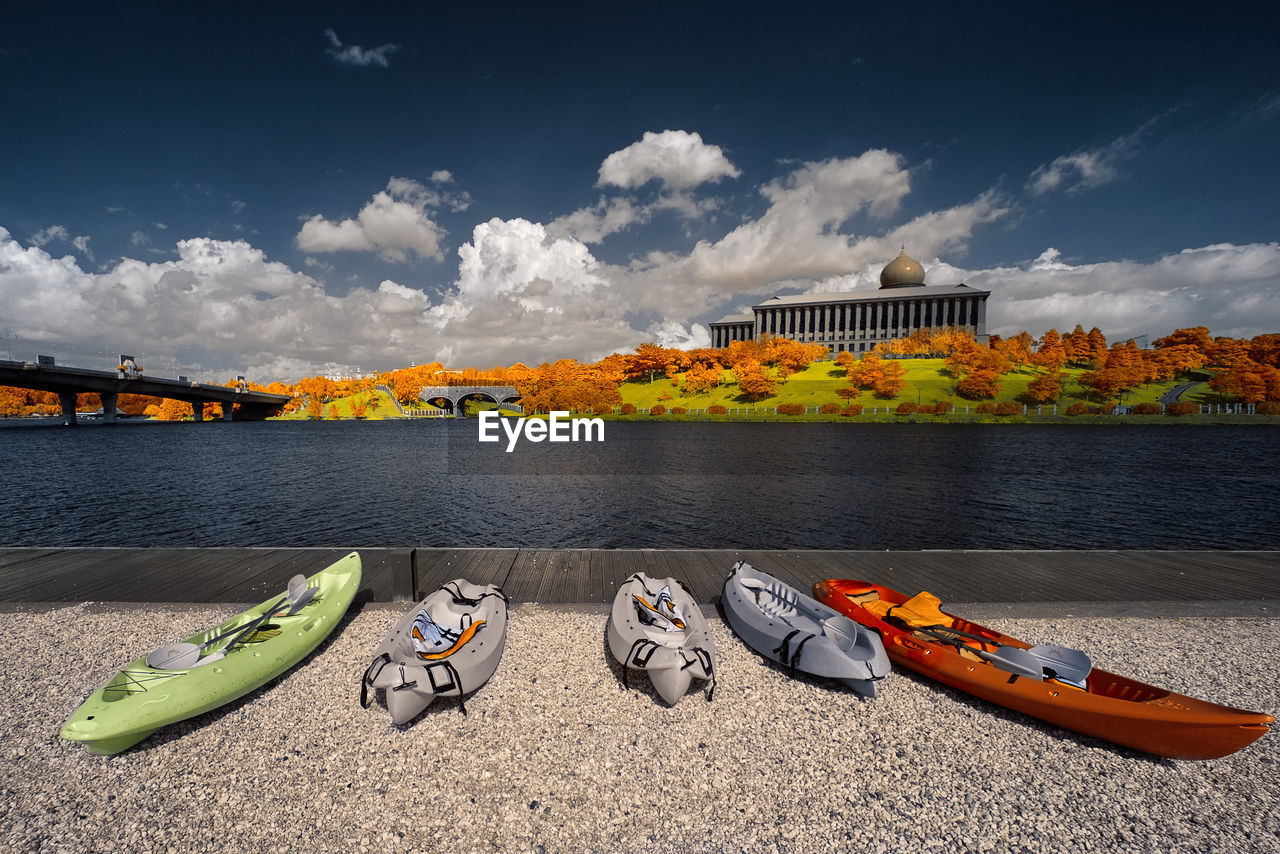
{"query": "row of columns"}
pixel 723 336
pixel 880 319
pixel 67 400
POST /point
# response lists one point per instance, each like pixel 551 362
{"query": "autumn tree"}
pixel 1096 344
pixel 1018 349
pixel 405 383
pixel 1045 387
pixel 13 403
pixel 755 380
pixel 1195 337
pixel 1229 353
pixel 1105 384
pixel 742 351
pixel 569 385
pixel 978 384
pixel 1050 354
pixel 1174 360
pixel 989 362
pixel 892 381
pixel 169 409
pixel 1079 349
pixel 1265 349
pixel 867 371
pixel 318 388
pixel 885 377
pixel 650 360
pixel 1251 383
pixel 790 356
pixel 702 378
pixel 1127 359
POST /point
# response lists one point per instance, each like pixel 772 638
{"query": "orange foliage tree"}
pixel 570 385
pixel 755 380
pixel 978 384
pixel 169 409
pixel 1045 387
pixel 650 360
pixel 884 377
pixel 702 378
pixel 1050 354
pixel 977 370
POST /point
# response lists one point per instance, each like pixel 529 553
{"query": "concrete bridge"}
pixel 68 382
pixel 451 397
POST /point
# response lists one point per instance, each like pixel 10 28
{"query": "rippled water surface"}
pixel 397 483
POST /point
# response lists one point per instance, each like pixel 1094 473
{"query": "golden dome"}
pixel 902 272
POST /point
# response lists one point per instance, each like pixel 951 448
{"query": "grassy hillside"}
pixel 926 383
pixel 385 408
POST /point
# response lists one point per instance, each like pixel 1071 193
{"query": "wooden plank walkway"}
pixel 185 575
pixel 557 576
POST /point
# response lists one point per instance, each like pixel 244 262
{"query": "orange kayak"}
pixel 1110 707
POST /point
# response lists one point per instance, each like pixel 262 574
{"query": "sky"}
pixel 283 192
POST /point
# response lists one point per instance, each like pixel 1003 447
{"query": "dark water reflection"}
pixel 892 486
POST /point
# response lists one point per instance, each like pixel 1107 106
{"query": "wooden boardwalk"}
pixel 557 576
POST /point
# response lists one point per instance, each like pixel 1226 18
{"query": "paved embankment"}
pixel 593 575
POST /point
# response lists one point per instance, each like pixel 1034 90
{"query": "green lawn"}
pixel 818 384
pixel 926 383
pixel 385 409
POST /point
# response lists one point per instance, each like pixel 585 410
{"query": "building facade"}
pixel 855 323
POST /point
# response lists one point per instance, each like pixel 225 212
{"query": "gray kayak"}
pixel 786 626
pixel 655 626
pixel 447 645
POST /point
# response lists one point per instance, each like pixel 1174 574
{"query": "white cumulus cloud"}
pixel 798 242
pixel 677 159
pixel 395 222
pixel 1232 289
pixel 523 294
pixel 605 217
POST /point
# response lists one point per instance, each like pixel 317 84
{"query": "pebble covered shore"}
pixel 555 756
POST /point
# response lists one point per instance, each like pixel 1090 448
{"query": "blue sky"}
pixel 276 191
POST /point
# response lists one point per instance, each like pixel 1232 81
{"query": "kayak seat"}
pixel 870 600
pixel 775 600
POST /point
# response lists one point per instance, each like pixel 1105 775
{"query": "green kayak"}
pixel 216 666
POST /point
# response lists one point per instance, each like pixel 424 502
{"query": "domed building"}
pixel 855 321
pixel 902 272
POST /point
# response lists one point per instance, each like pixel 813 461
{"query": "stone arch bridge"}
pixel 452 397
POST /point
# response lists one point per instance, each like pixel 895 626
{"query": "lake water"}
pixel 431 483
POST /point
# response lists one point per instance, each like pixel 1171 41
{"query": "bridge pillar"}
pixel 68 402
pixel 228 410
pixel 197 410
pixel 108 407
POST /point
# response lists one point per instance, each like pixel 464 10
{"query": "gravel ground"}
pixel 556 756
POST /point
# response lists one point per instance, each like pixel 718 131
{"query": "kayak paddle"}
pixel 182 656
